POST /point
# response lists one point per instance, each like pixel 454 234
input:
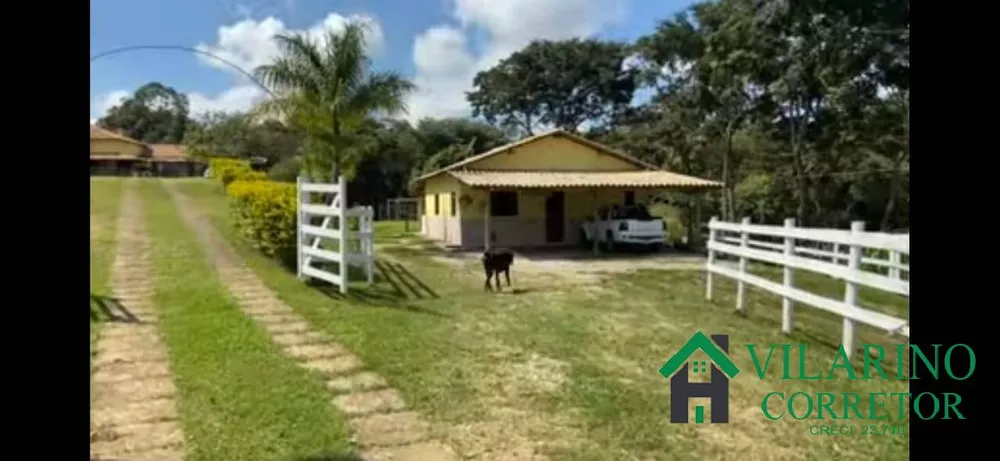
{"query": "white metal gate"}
pixel 344 237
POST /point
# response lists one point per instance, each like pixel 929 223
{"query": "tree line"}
pixel 801 109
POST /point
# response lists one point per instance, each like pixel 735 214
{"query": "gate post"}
pixel 298 227
pixel 344 229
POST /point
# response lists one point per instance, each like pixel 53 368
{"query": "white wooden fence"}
pixel 802 248
pixel 354 247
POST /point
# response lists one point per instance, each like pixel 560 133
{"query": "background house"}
pixel 115 154
pixel 537 191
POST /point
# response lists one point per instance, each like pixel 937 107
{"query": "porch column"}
pixel 486 221
pixel 696 236
pixel 597 217
pixel 420 214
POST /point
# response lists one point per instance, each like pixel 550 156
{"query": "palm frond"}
pixel 327 89
pixel 300 66
pixel 383 92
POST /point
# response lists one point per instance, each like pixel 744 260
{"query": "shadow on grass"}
pixel 108 309
pixel 394 287
pixel 396 275
pixel 338 456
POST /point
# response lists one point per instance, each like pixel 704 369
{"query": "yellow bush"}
pixel 265 213
pixel 228 170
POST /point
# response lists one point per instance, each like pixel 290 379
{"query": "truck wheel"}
pixel 584 241
pixel 656 247
pixel 609 241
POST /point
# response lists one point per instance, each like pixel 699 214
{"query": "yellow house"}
pixel 536 192
pixel 116 154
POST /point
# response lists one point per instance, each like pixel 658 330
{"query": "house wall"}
pixel 177 169
pixel 528 227
pixel 111 167
pixel 114 147
pixel 467 227
pixel 437 222
pixel 553 154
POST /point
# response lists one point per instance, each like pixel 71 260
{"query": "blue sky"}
pixel 438 43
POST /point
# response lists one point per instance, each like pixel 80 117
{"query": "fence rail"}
pixel 354 245
pixel 803 249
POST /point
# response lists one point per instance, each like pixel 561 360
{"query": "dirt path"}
pixel 575 267
pixel 133 414
pixel 377 415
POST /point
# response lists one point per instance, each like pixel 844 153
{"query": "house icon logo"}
pixel 717 390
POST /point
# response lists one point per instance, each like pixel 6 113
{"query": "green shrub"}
pixel 287 170
pixel 676 228
pixel 265 213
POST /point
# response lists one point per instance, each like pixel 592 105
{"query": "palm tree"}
pixel 327 89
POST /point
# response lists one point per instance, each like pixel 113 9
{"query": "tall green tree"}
pixel 446 141
pixel 801 108
pixel 556 83
pixel 327 90
pixel 155 113
pixel 237 134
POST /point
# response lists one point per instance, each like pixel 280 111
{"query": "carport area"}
pixel 549 207
pixel 539 266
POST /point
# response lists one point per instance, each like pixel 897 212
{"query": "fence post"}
pixel 740 286
pixel 851 290
pixel 406 221
pixel 712 233
pixel 345 268
pixel 370 247
pixel 895 260
pixel 298 227
pixel 788 279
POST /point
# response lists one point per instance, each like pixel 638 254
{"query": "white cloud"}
pixel 100 104
pixel 446 64
pixel 238 98
pixel 247 44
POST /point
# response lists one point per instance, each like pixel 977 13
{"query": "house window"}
pixel 629 197
pixel 437 205
pixel 453 204
pixel 503 203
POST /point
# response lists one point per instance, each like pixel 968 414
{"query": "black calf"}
pixel 495 261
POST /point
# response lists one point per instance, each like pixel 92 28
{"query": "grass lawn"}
pixel 569 368
pixel 105 200
pixel 240 398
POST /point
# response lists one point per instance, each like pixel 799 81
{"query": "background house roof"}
pixel 97 132
pixel 168 152
pixel 154 152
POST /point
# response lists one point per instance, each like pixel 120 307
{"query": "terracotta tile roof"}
pixel 558 132
pixel 168 152
pixel 581 179
pixel 97 132
pixel 113 157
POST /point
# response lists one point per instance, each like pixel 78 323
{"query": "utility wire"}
pixel 189 49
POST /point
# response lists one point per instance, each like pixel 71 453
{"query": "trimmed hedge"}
pixel 265 213
pixel 227 170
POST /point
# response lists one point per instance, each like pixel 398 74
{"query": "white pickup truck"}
pixel 625 226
